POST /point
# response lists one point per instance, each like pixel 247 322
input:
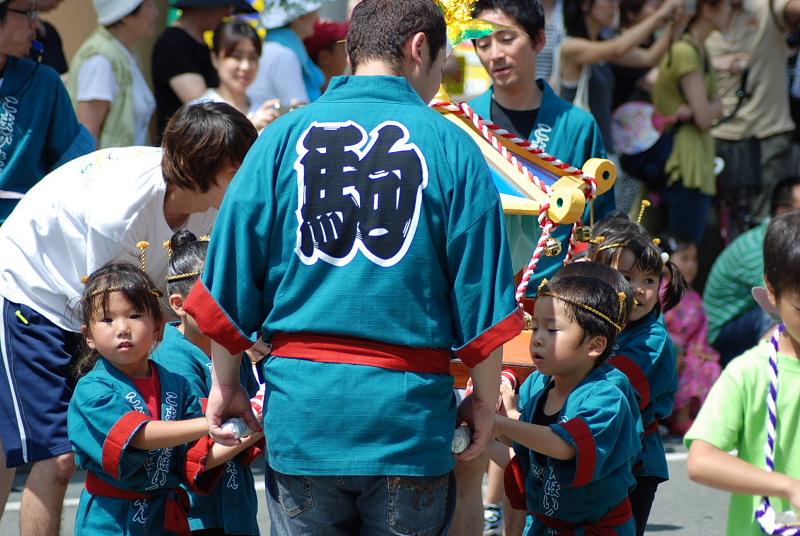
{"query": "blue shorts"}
pixel 35 385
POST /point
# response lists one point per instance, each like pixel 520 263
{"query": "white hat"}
pixel 276 16
pixel 111 11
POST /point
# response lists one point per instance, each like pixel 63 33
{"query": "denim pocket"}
pixel 294 493
pixel 418 505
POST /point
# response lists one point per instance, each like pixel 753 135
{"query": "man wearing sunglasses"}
pixel 38 127
pixel 38 132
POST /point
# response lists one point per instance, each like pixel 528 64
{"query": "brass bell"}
pixel 552 247
pixel 583 234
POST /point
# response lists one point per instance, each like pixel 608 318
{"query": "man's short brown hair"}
pixel 201 139
pixel 380 29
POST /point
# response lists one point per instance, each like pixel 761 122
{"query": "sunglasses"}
pixel 31 14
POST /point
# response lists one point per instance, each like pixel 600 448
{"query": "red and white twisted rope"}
pixel 547 226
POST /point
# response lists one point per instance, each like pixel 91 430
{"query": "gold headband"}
pixel 142 246
pixel 612 245
pixel 154 292
pixel 178 277
pixel 620 296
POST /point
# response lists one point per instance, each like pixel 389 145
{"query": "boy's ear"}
pixel 773 299
pixel 87 334
pixel 176 302
pixel 597 345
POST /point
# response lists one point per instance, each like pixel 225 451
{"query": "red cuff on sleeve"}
pixel 514 484
pixel 479 348
pixel 635 375
pixel 198 479
pixel 213 321
pixel 118 438
pixel 585 451
pixel 253 452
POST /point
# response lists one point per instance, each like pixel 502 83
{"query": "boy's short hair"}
pixel 529 14
pixel 380 29
pixel 782 253
pixel 200 139
pixel 594 296
pixel 604 273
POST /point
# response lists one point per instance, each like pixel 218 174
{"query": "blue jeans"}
pixel 365 505
pixel 742 333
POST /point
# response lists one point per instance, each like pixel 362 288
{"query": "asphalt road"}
pixel 682 508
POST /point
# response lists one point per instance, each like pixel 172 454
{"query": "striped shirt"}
pixel 554 33
pixel 739 268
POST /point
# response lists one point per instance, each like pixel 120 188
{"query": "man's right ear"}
pixel 87 334
pixel 539 41
pixel 176 302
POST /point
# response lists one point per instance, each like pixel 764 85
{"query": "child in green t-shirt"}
pixel 755 391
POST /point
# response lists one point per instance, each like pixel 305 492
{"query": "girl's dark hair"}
pixel 604 273
pixel 134 284
pixel 615 223
pixel 380 29
pixel 594 293
pixel 629 10
pixel 782 253
pixel 229 34
pixel 187 258
pixel 200 139
pixel 574 18
pixel 647 258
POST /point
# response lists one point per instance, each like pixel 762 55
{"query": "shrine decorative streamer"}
pixel 460 24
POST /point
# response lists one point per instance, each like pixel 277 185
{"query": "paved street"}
pixel 682 508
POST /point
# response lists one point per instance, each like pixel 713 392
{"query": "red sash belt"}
pixel 606 526
pixel 335 349
pixel 176 506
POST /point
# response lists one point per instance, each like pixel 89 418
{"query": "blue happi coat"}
pixel 645 353
pixel 105 412
pixel 233 504
pixel 596 420
pixel 363 237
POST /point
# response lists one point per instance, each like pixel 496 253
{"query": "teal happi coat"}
pixel 233 504
pixel 105 413
pixel 572 135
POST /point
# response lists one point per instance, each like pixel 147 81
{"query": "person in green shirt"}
pixel 735 322
pixel 686 89
pixel 741 405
